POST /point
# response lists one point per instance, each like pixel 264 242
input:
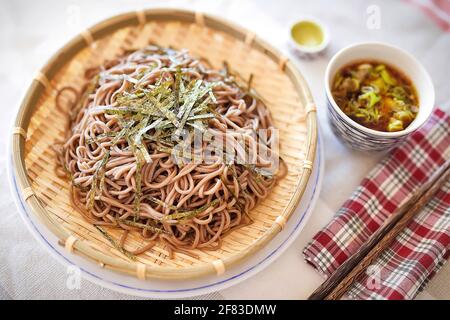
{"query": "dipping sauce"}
pixel 376 95
pixel 307 33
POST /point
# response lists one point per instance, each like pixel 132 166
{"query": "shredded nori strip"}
pixel 144 226
pixel 97 180
pixel 191 213
pixel 115 244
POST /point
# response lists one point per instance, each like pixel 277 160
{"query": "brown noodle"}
pixel 219 194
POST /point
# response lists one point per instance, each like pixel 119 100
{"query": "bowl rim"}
pixel 360 127
pixel 318 23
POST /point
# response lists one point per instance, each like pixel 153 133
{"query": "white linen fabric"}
pixel 30 32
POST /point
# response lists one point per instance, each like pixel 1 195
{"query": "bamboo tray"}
pixel 38 124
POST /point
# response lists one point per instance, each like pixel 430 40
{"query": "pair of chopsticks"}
pixel 351 270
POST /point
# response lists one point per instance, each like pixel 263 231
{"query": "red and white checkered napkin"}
pixel 415 255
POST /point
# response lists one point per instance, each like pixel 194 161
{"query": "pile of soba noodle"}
pixel 121 154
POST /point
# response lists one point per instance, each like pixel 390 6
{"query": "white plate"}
pixel 177 288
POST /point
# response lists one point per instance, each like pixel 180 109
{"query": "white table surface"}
pixel 30 31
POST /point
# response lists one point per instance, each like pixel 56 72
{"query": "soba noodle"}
pixel 122 158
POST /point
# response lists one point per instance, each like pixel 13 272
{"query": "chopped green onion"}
pixel 387 78
pixel 394 125
pixel 372 97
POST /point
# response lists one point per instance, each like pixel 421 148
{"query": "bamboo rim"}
pixel 102 29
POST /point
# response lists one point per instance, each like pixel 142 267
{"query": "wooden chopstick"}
pixel 349 272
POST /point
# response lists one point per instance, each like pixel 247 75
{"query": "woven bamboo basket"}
pixel 39 124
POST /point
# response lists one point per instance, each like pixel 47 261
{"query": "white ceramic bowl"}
pixel 309 51
pixel 358 136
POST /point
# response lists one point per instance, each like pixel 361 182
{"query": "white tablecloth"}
pixel 30 31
